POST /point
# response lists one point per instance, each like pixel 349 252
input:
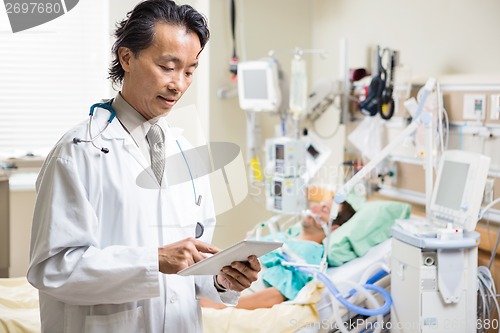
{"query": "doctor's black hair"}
pixel 136 31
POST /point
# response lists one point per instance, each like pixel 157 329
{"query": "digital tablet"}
pixel 238 252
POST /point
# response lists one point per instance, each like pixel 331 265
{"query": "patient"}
pixel 283 283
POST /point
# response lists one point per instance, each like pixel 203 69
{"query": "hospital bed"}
pixel 312 310
pixel 19 309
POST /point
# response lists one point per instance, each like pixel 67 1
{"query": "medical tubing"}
pixel 370 299
pixel 189 170
pixel 428 87
pixel 378 268
pixel 363 311
pixel 377 276
pixel 374 278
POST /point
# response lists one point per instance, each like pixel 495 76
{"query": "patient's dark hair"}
pixel 345 213
pixel 136 31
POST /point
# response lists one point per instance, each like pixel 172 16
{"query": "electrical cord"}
pixel 485 209
pixel 233 65
pixel 487 290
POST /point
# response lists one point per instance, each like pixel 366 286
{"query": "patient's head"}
pixel 321 214
pixel 345 213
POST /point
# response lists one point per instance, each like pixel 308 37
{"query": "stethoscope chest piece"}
pixel 200 229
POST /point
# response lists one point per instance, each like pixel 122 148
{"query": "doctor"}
pixel 109 233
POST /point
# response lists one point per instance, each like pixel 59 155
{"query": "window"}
pixel 50 75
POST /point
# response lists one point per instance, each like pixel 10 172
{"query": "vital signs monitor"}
pixel 258 85
pixel 459 188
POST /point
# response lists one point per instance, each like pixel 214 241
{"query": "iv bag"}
pixel 298 88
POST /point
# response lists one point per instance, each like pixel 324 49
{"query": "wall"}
pixel 22 203
pixel 434 37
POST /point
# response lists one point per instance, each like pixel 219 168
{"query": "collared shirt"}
pixel 135 124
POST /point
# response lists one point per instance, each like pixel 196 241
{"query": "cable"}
pixel 335 130
pixel 494 251
pixel 486 283
pixel 485 209
pixel 233 65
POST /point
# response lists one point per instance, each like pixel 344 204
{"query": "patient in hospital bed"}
pixel 283 283
pixel 349 255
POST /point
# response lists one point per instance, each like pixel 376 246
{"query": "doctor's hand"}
pixel 240 274
pixel 175 257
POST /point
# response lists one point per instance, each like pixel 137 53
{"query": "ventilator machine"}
pixel 434 279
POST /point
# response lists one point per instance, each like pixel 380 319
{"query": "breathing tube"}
pixel 338 295
pixel 350 306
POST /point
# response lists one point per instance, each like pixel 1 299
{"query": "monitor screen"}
pixel 255 81
pixel 313 152
pixel 259 85
pixel 452 185
pixel 278 189
pixel 280 152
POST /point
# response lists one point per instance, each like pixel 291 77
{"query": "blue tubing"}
pixel 375 277
pixel 350 306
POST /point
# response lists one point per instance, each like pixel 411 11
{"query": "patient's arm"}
pixel 265 298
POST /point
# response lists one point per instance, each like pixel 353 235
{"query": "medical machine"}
pixel 285 165
pixel 258 85
pixel 460 186
pixel 285 156
pixel 434 261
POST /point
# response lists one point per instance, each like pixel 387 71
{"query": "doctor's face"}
pixel 157 77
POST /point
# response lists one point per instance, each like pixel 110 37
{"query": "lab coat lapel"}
pixel 117 132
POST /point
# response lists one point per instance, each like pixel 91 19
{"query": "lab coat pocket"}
pixel 131 321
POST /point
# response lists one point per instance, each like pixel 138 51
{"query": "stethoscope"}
pixel 200 229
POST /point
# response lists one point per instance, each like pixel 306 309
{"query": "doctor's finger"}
pixel 245 268
pixel 204 247
pixel 237 280
pixel 254 263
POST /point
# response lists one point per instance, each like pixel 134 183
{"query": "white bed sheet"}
pixel 354 269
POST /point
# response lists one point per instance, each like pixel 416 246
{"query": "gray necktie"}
pixel 156 139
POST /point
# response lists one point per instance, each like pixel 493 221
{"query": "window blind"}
pixel 50 75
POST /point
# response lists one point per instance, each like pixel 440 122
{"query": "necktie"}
pixel 156 140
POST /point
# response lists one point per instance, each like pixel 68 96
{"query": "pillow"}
pixel 370 226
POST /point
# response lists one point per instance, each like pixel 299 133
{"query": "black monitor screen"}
pixel 277 189
pixel 312 151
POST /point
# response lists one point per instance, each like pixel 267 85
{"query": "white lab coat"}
pixel 95 235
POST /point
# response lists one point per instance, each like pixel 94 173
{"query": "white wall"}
pixel 434 37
